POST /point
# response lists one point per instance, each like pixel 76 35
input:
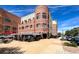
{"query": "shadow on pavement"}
pixel 10 50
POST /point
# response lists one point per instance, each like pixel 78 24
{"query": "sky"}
pixel 67 16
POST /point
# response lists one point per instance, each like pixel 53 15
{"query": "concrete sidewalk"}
pixel 47 46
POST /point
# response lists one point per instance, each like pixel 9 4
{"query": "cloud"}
pixel 57 6
pixel 15 11
pixel 69 24
pixel 66 15
pixel 67 28
pixel 21 10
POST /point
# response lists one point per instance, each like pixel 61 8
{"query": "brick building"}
pixel 39 22
pixel 8 22
pixel 54 28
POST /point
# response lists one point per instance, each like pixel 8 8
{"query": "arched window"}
pixel 44 15
pixel 25 21
pixel 29 20
pixel 37 15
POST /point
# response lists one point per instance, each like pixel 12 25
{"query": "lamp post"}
pixel 62 34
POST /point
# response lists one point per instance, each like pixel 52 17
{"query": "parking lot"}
pixel 45 46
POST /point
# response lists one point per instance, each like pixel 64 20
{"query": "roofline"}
pixel 27 14
pixel 9 12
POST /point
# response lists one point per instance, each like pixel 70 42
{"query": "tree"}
pixel 68 33
pixel 72 32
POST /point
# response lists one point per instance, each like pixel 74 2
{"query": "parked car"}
pixel 4 38
pixel 68 38
pixel 76 40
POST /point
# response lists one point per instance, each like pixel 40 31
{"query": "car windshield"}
pixel 77 38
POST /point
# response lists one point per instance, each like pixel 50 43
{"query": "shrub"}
pixel 73 44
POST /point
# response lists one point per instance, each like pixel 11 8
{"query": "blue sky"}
pixel 67 16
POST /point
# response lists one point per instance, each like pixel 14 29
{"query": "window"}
pixel 6 28
pixel 22 27
pixel 44 15
pixel 29 20
pixel 22 22
pixel 33 18
pixel 7 20
pixel 14 28
pixel 25 21
pixel 37 15
pixel 37 25
pixel 44 25
pixel 27 26
pixel 30 26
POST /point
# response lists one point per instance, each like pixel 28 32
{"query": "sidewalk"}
pixel 45 46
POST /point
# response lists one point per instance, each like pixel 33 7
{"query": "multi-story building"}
pixel 8 22
pixel 54 28
pixel 39 22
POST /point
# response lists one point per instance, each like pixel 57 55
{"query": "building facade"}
pixel 54 28
pixel 8 22
pixel 39 22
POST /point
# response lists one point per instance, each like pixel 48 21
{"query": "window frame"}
pixel 7 19
pixel 38 16
pixel 44 15
pixel 22 27
pixel 37 25
pixel 6 28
